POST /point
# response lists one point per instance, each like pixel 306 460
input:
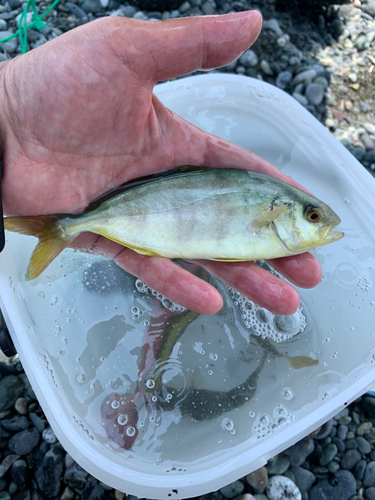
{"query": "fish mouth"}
pixel 332 236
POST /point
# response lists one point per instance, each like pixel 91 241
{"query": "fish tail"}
pixel 297 362
pixel 52 240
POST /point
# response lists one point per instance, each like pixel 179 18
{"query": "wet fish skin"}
pixel 215 214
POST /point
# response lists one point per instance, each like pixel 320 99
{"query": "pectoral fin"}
pixel 265 218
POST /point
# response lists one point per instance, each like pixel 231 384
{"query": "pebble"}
pixel 328 454
pixel 359 470
pixel 342 487
pixel 278 464
pixel 363 445
pixel 325 430
pixel 48 474
pixel 23 442
pixel 19 472
pixel 350 459
pixel 370 493
pixel 266 68
pixel 314 93
pixel 283 79
pixel 21 406
pixel 369 477
pixel 304 478
pixel 49 436
pixel 300 451
pixel 7 463
pixel 368 142
pixel 258 479
pixel 305 77
pixel 300 98
pixel 249 58
pixel 370 128
pixel 274 26
pixel 17 423
pixel 232 489
pixel 281 487
pixel 11 387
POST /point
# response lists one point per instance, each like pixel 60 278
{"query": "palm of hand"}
pixel 81 119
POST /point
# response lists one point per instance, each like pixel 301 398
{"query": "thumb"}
pixel 179 46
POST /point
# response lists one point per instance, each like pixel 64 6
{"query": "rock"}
pixel 3 25
pixel 19 472
pixel 369 7
pixel 75 478
pixel 274 26
pixel 350 459
pixel 370 493
pixel 348 12
pixel 342 431
pixel 5 495
pixel 11 386
pixel 358 153
pixel 283 79
pixel 232 490
pixel 185 7
pixel 249 59
pixel 48 474
pixel 7 463
pixel 76 11
pixel 359 470
pixel 258 479
pixel 328 454
pixel 348 107
pixel 278 465
pixel 49 436
pixel 266 68
pixel 305 77
pixel 304 479
pixel 370 129
pixel 315 94
pixel 369 477
pixel 300 98
pixel 337 114
pixel 300 451
pixel 21 406
pixel 363 445
pixel 281 487
pixel 91 6
pixel 37 421
pixel 339 443
pixel 283 41
pixel 364 107
pixel 368 142
pixel 23 442
pixel 15 424
pixel 68 494
pixel 350 443
pixel 342 487
pixel 140 15
pixel 209 8
pixel 333 467
pixel 325 430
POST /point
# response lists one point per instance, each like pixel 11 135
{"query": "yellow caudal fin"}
pixel 52 241
pixel 297 362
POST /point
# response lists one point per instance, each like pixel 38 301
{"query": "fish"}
pixel 216 214
pixel 120 411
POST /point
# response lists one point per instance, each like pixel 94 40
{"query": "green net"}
pixel 36 23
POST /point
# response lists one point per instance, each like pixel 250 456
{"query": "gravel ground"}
pixel 325 58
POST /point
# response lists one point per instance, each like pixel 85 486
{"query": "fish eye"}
pixel 313 214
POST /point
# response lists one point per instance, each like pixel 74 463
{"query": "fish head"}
pixel 306 223
pixel 120 418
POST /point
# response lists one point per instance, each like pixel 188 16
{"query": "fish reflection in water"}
pixel 120 411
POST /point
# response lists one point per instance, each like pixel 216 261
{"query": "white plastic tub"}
pixel 78 346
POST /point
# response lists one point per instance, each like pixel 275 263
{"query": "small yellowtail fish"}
pixel 214 214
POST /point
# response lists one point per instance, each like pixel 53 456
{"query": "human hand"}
pixel 79 118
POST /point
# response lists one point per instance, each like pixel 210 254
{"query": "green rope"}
pixel 23 28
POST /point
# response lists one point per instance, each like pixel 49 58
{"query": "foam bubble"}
pixel 122 419
pixel 265 324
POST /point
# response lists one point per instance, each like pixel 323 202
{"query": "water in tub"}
pixel 228 377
